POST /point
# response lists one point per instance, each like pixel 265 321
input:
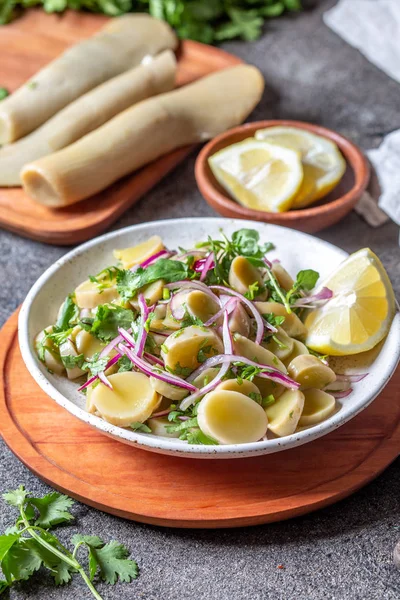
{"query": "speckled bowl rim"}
pixel 169 445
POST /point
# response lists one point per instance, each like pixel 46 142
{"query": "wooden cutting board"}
pixel 26 45
pixel 183 492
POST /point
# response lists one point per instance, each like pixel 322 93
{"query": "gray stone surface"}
pixel 340 553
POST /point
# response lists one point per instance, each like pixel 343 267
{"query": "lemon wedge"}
pixel 323 164
pixel 359 314
pixel 259 175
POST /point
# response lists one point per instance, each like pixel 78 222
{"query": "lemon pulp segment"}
pixel 323 163
pixel 359 314
pixel 259 175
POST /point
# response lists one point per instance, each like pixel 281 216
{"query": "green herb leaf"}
pixel 254 290
pixel 96 365
pixel 16 497
pixel 124 364
pixel 6 542
pixel 275 320
pixel 108 317
pixel 138 426
pixel 198 437
pixel 180 371
pixel 130 282
pixel 20 562
pixel 3 586
pixel 70 361
pixel 69 314
pixel 53 509
pixel 306 280
pixel 3 93
pixel 93 541
pixel 112 563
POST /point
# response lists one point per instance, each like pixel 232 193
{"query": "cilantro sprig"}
pixel 130 282
pixel 244 242
pixel 305 281
pixel 29 546
pixel 206 21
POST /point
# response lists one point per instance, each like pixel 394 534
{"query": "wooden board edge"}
pixel 13 436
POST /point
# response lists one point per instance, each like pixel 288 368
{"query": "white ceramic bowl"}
pixel 296 250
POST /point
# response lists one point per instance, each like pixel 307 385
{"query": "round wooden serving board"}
pixel 182 492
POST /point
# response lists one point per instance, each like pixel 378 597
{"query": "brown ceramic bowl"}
pixel 325 212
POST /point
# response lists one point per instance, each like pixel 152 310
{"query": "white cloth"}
pixel 373 27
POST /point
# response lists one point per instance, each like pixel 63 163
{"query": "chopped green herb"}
pixel 124 364
pixel 317 354
pixel 274 320
pixel 244 242
pixel 256 397
pixel 137 426
pixel 166 294
pixel 206 21
pixel 108 317
pixel 3 93
pixel 164 348
pixel 32 85
pixel 291 414
pixel 105 279
pixel 268 400
pixel 95 365
pixel 305 281
pixel 180 371
pixel 59 337
pixel 254 290
pixel 68 316
pixel 70 361
pixel 129 282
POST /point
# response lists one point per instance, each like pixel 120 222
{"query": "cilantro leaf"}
pixel 53 509
pixel 6 542
pixel 112 563
pixel 108 317
pixel 3 586
pixel 179 370
pixel 3 93
pixel 137 426
pixel 60 570
pixel 245 24
pixel 129 282
pixel 124 364
pixel 93 541
pixel 196 436
pixel 58 337
pixel 20 562
pixel 70 361
pixel 95 365
pixel 28 545
pixel 16 497
pixel 69 314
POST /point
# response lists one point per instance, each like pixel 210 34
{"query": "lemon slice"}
pixel 259 175
pixel 359 314
pixel 323 164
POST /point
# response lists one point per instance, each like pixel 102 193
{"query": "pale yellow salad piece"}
pixel 230 417
pixel 131 400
